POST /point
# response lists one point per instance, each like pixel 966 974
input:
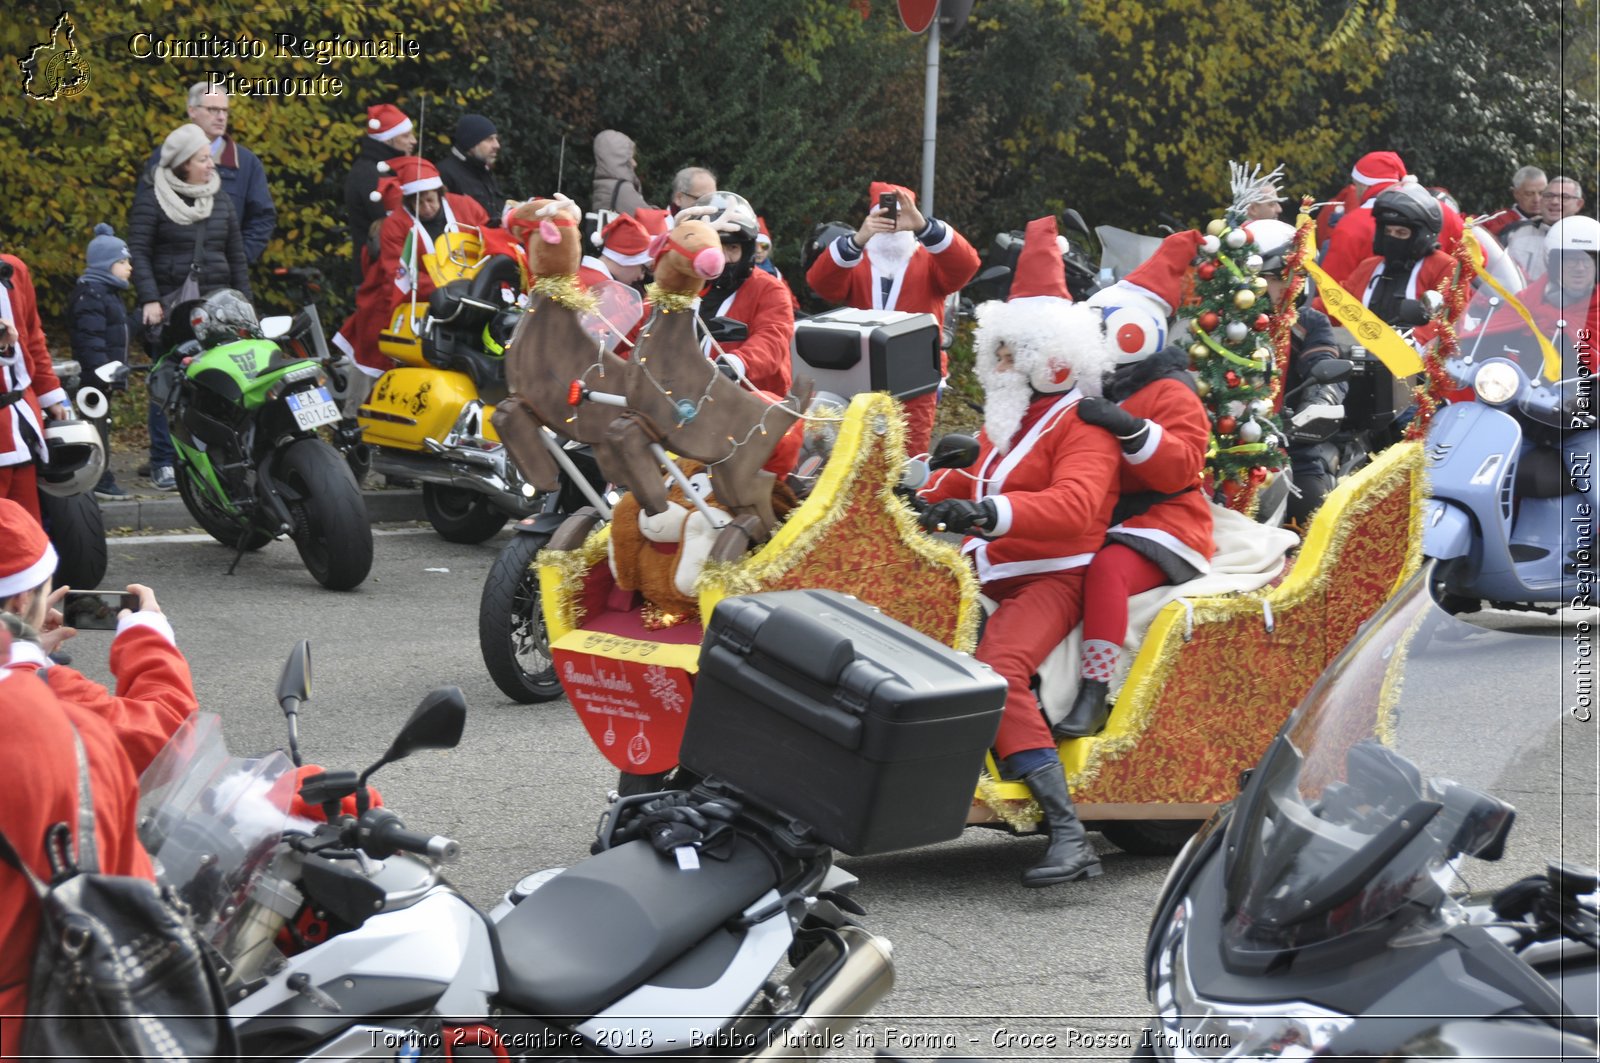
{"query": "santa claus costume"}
pixel 1161 528
pixel 1040 500
pixel 624 242
pixel 28 386
pixel 1351 241
pixel 906 270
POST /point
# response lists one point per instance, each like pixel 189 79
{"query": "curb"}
pixel 167 512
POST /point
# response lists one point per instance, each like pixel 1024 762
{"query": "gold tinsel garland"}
pixel 565 290
pixel 574 567
pixel 1021 816
pixel 668 302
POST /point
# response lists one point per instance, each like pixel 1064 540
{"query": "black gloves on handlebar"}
pixel 1130 431
pixel 959 515
pixel 677 820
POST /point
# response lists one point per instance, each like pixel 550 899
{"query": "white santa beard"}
pixel 1006 395
pixel 889 252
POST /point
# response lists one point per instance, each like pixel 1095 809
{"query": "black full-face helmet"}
pixel 1414 207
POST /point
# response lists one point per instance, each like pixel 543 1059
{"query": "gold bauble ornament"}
pixel 1203 387
pixel 1244 298
pixel 1259 284
pixel 1199 352
pixel 1215 227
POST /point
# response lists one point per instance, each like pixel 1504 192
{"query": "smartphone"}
pixel 96 610
pixel 889 206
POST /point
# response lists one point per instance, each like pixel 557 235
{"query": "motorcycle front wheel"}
pixel 220 525
pixel 511 629
pixel 331 529
pixel 460 515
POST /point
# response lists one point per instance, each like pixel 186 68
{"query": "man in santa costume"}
pixel 624 253
pixel 389 136
pixel 909 263
pixel 1405 260
pixel 1161 527
pixel 1373 174
pixel 743 293
pixel 29 389
pixel 41 704
pixel 1038 503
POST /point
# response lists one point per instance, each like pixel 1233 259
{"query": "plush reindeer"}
pixel 679 399
pixel 550 349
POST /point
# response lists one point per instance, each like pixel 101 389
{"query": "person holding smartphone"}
pixel 897 260
pixel 155 691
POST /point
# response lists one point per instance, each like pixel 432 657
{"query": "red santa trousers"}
pixel 1034 614
pixel 1116 574
pixel 919 423
pixel 20 483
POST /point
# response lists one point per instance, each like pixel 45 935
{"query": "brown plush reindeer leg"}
pixel 519 429
pixel 629 439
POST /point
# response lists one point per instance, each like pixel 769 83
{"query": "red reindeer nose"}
pixel 709 263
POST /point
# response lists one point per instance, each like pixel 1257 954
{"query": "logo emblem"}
pixel 56 70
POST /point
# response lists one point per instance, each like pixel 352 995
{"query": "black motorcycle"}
pixel 1365 895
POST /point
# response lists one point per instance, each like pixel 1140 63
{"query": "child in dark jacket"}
pixel 101 326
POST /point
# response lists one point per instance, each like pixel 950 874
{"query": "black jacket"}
pixel 360 211
pixel 466 176
pixel 162 249
pixel 99 324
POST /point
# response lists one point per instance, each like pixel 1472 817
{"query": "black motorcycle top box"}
pixel 818 706
pixel 849 351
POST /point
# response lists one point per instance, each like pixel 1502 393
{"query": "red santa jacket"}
pixel 39 777
pixel 1575 343
pixel 24 368
pixel 1352 237
pixel 1426 276
pixel 1503 220
pixel 933 272
pixel 1170 461
pixel 1053 490
pixel 593 270
pixel 762 303
pixel 459 211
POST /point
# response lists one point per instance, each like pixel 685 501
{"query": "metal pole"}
pixel 930 118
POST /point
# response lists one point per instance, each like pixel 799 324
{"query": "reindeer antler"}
pixel 1249 186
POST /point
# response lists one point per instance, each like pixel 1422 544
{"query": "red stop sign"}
pixel 918 15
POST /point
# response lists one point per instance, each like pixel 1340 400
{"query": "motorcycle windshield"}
pixel 1422 743
pixel 212 821
pixel 1491 327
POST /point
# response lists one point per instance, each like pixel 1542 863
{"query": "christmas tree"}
pixel 1232 353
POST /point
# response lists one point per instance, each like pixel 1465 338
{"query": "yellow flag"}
pixel 1552 360
pixel 1369 329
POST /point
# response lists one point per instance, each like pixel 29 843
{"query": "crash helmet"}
pixel 222 317
pixel 76 458
pixel 1414 207
pixel 497 333
pixel 1274 240
pixel 1571 235
pixel 729 214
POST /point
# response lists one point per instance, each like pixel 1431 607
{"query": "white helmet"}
pixel 1274 240
pixel 1576 233
pixel 726 212
pixel 77 458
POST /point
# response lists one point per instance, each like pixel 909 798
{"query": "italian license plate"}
pixel 312 408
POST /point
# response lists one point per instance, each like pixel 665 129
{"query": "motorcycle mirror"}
pixel 436 723
pixel 953 451
pixel 1332 370
pixel 727 330
pixel 112 373
pixel 294 685
pixel 1482 822
pixel 276 326
pixel 1071 219
pixel 1432 304
pixel 993 273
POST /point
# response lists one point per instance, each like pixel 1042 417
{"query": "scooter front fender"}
pixel 1446 530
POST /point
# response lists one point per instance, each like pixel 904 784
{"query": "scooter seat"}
pixel 600 929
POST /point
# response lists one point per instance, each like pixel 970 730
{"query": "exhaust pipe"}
pixel 864 976
pixel 438 471
pixel 91 402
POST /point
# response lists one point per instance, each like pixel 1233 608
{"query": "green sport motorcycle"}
pixel 244 417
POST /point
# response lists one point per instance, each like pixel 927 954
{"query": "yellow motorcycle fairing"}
pixel 408 405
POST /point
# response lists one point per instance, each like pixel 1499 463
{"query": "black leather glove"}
pixel 1130 431
pixel 959 515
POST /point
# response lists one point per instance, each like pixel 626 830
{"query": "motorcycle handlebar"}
pixel 382 834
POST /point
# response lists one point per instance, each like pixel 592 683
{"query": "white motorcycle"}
pixel 343 940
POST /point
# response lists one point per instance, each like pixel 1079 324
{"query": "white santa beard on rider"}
pixel 890 251
pixel 1006 395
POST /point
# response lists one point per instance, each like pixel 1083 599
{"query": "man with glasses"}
pixel 243 177
pixel 691 184
pixel 1561 198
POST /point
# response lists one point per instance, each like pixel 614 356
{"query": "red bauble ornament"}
pixel 1232 378
pixel 1207 270
pixel 1262 321
pixel 1226 425
pixel 1209 320
pixel 1257 474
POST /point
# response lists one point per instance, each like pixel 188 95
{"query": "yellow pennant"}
pixel 1369 329
pixel 1552 360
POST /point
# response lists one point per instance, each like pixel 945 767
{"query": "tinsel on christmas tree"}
pixel 1232 355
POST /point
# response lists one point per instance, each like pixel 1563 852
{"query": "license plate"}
pixel 312 408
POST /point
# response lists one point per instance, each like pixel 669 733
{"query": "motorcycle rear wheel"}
pixel 78 532
pixel 460 515
pixel 331 528
pixel 224 528
pixel 511 630
pixel 1149 837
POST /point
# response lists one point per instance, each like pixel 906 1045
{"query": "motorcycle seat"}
pixel 600 929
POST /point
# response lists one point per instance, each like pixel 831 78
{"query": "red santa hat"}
pixel 625 241
pixel 388 193
pixel 880 187
pixel 1055 343
pixel 763 237
pixel 1137 308
pixel 386 121
pixel 26 557
pixel 653 220
pixel 416 174
pixel 1377 168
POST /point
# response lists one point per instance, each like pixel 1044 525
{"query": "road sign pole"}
pixel 930 119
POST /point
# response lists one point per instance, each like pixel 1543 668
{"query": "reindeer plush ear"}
pixel 658 244
pixel 548 232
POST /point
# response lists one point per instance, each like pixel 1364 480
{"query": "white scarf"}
pixel 170 192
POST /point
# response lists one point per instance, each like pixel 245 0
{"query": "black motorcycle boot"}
pixel 1069 856
pixel 1088 713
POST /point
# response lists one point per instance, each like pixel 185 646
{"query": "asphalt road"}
pixel 984 967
